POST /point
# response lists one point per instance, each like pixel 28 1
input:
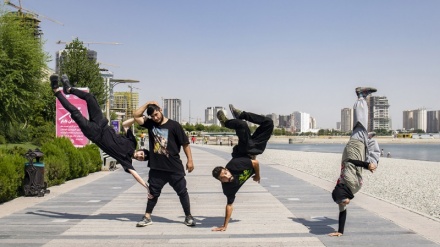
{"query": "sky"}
pixel 263 56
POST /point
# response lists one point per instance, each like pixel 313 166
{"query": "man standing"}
pixel 97 130
pixel 243 163
pixel 166 137
pixel 361 152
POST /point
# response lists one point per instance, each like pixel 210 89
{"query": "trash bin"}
pixel 34 184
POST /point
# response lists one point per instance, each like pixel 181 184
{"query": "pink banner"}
pixel 65 126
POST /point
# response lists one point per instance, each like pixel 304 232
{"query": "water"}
pixel 428 152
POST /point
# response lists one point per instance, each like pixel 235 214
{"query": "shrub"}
pixel 94 157
pixel 2 140
pixel 11 175
pixel 56 164
pixel 43 133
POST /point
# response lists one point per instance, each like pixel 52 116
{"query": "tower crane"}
pixel 59 42
pixel 90 43
pixel 30 13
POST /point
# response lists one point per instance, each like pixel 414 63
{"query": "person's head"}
pixel 342 195
pixel 222 174
pixel 141 155
pixel 155 113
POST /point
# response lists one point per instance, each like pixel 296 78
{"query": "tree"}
pixel 82 70
pixel 22 71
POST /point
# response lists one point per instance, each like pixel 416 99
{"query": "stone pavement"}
pixel 287 208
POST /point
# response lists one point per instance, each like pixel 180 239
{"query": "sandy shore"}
pixel 410 184
pixel 344 139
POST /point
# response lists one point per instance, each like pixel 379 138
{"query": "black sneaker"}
pixel 54 81
pixel 144 222
pixel 222 117
pixel 189 221
pixel 66 83
pixel 365 91
pixel 235 112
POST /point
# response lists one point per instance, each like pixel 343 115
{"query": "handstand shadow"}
pixel 118 217
pixel 318 225
pixel 211 222
pixel 201 221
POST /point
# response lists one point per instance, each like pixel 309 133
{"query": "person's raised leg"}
pixel 95 113
pixel 88 128
pixel 262 134
pixel 241 130
pixel 360 114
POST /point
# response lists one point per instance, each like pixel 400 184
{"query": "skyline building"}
pixel 125 102
pixel 346 120
pixel 415 119
pixel 301 121
pixel 172 109
pixel 433 121
pixel 379 117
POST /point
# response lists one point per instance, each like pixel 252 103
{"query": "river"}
pixel 427 152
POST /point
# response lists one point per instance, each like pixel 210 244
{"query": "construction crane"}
pixel 90 43
pixel 30 13
pixel 59 42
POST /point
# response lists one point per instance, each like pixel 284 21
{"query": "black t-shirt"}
pixel 118 146
pixel 241 168
pixel 165 142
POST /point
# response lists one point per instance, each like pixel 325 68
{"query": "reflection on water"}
pixel 429 152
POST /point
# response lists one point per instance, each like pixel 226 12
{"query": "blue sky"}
pixel 262 56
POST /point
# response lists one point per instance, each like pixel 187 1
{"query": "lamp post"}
pixel 132 102
pixel 111 83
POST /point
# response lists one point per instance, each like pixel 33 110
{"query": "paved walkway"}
pixel 287 208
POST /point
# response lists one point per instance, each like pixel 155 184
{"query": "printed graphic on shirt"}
pixel 244 176
pixel 160 141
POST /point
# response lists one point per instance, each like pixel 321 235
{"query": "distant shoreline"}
pixel 344 139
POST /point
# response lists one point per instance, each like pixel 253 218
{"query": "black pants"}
pixel 157 180
pixel 250 144
pixel 91 128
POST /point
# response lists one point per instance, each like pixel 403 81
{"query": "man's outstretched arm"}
pixel 141 181
pixel 228 213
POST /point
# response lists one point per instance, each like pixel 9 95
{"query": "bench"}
pixel 108 162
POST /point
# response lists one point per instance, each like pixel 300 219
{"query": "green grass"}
pixel 26 145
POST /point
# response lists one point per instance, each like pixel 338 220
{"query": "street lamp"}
pixel 111 83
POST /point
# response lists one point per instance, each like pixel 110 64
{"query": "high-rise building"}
pixel 433 119
pixel 379 117
pixel 312 123
pixel 346 119
pixel 274 118
pixel 125 102
pixel 301 121
pixel 284 121
pixel 415 119
pixel 408 120
pixel 172 109
pixel 211 115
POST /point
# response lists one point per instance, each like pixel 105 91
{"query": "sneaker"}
pixel 189 221
pixel 54 81
pixel 221 116
pixel 144 222
pixel 66 83
pixel 235 112
pixel 364 91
